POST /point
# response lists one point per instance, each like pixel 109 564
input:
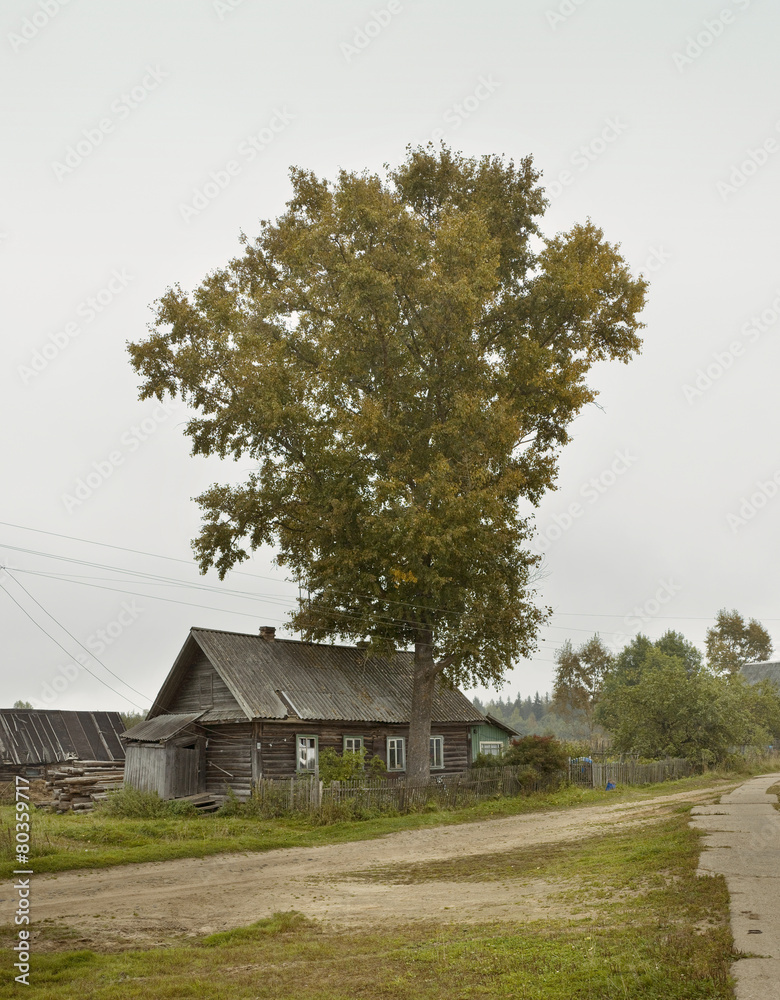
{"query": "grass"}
pixel 668 939
pixel 98 840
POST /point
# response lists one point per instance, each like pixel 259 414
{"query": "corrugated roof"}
pixel 319 681
pixel 32 736
pixel 501 725
pixel 761 671
pixel 163 727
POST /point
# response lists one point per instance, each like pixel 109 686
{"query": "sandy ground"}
pixel 144 903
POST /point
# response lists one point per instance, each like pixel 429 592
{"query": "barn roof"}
pixel 161 728
pixel 284 678
pixel 33 736
pixel 764 670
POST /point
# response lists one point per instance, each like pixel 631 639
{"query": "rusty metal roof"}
pixel 161 728
pixel 32 736
pixel 283 678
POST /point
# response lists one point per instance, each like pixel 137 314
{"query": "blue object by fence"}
pixel 610 786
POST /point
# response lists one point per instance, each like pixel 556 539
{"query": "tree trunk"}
pixel 418 764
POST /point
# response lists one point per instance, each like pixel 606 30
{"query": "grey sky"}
pixel 140 139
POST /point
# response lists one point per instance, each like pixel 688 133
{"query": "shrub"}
pixel 131 803
pixel 489 760
pixel 544 754
pixel 349 766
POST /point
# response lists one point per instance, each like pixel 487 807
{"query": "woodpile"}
pixel 79 784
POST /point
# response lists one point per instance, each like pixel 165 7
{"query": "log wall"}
pixel 229 758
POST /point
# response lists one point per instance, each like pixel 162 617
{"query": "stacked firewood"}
pixel 78 785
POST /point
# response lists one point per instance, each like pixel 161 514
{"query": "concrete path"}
pixel 743 843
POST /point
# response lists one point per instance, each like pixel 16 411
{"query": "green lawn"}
pixel 92 840
pixel 652 929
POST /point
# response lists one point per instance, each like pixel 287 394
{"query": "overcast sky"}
pixel 141 138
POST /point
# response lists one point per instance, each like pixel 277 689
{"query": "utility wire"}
pixel 67 653
pixel 73 637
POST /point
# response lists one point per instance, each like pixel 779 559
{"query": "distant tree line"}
pixel 664 698
pixel 659 697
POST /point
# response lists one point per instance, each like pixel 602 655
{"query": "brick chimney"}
pixel 267 632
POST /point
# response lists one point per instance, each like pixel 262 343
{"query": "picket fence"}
pixel 597 774
pixel 306 793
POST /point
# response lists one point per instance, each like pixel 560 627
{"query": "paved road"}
pixel 743 843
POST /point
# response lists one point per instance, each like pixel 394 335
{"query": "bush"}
pixel 130 803
pixel 349 766
pixel 489 760
pixel 544 754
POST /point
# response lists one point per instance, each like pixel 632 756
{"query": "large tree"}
pixel 401 357
pixel 733 642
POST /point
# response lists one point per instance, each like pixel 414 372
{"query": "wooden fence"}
pixel 306 794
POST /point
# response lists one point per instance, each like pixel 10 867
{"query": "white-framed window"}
pixel 490 747
pixel 307 753
pixel 353 744
pixel 437 751
pixel 396 753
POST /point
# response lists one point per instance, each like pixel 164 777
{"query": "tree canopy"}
pixel 400 356
pixel 733 642
pixel 579 678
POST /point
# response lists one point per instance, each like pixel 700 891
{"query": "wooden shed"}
pixel 260 707
pixel 167 755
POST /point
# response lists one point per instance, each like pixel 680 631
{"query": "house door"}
pixel 186 770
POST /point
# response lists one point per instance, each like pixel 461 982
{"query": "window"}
pixel 396 757
pixel 494 749
pixel 307 753
pixel 206 691
pixel 437 751
pixel 353 744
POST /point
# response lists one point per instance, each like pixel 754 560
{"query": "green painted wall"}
pixel 486 733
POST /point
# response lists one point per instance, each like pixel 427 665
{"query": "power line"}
pixel 73 637
pixel 67 653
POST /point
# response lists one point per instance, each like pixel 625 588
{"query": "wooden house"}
pixel 33 739
pixel 236 708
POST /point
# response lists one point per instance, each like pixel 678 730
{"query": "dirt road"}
pixel 143 903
